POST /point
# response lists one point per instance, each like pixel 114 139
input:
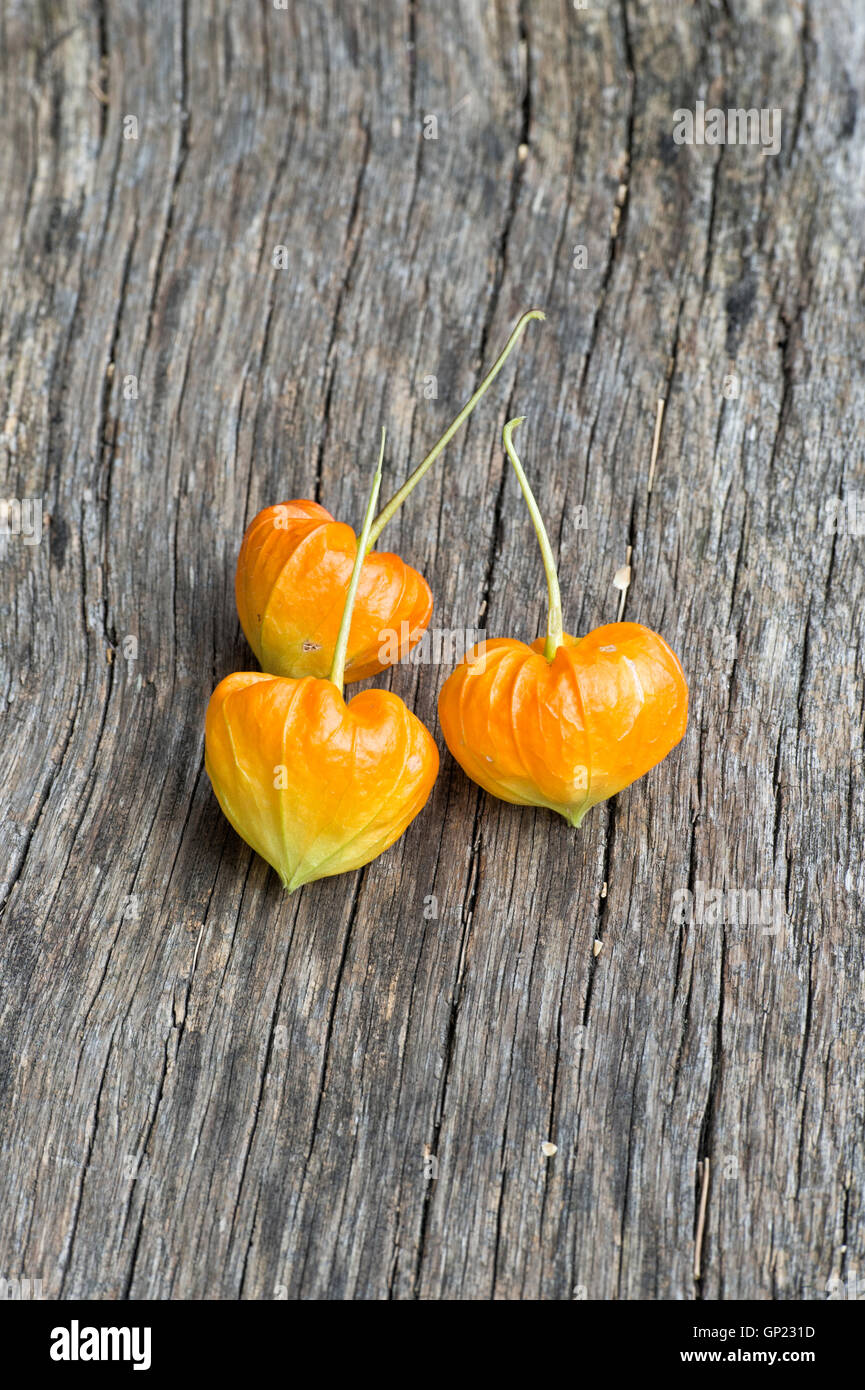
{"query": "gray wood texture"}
pixel 212 1090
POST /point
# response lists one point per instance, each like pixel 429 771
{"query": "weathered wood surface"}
pixel 213 1090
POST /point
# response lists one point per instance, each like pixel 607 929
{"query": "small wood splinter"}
pixel 622 581
pixel 656 441
pixel 703 1171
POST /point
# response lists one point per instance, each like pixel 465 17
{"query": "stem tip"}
pixel 554 620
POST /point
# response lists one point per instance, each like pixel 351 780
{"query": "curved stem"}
pixel 414 478
pixel 337 670
pixel 554 621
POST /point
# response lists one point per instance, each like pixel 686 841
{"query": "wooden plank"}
pixel 212 1090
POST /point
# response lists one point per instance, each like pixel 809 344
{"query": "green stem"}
pixel 337 670
pixel 554 621
pixel 412 481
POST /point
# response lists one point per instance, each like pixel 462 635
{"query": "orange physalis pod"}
pixel 567 722
pixel 294 568
pixel 292 577
pixel 315 785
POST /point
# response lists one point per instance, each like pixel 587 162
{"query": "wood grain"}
pixel 212 1090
